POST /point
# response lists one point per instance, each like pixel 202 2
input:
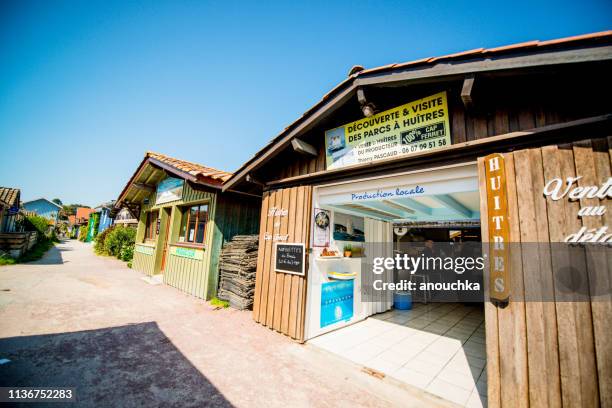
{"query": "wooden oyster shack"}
pixel 462 147
pixel 183 221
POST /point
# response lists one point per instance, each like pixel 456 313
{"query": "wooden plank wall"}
pixel 550 353
pixel 280 299
pixel 144 262
pixel 505 112
pixel 234 215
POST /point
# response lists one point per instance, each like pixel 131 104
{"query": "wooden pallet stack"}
pixel 237 267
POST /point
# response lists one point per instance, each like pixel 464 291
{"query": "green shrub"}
pixel 100 239
pixel 36 223
pixel 83 233
pixel 6 259
pixel 119 242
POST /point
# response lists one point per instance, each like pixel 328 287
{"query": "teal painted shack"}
pixel 184 220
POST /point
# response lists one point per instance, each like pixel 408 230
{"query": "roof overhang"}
pixel 397 75
pixel 150 172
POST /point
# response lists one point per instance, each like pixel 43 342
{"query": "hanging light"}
pixel 367 108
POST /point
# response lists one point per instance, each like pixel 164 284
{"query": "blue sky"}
pixel 86 87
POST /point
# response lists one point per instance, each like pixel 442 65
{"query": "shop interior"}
pixel 436 346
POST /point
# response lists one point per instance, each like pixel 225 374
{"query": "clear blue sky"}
pixel 86 87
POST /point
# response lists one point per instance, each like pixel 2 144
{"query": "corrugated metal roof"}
pixel 9 196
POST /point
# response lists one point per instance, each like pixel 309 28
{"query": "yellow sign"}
pixel 499 228
pixel 410 128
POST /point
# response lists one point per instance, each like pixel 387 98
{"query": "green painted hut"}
pixel 184 220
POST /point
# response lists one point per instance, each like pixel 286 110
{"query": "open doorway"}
pixel 437 345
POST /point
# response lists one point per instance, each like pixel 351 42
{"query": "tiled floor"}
pixel 437 347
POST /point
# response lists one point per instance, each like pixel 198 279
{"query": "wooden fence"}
pixel 280 299
pixel 550 353
pixel 16 243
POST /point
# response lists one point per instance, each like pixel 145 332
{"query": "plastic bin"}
pixel 402 300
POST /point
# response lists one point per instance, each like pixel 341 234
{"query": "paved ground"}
pixel 78 320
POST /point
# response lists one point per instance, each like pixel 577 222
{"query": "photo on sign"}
pixel 170 189
pixel 348 227
pixel 290 258
pixel 321 227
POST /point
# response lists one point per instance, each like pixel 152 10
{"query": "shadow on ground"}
pixel 53 256
pixel 127 366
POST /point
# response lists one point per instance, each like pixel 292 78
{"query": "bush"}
pixel 5 259
pixel 99 241
pixel 41 226
pixel 83 233
pixel 36 223
pixel 116 241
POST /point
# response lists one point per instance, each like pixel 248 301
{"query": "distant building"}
pixel 9 209
pixel 82 215
pixel 126 218
pixel 13 239
pixel 105 219
pixel 44 208
pixel 79 220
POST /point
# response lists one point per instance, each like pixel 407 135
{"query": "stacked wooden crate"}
pixel 237 267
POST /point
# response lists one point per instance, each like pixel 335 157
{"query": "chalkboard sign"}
pixel 289 258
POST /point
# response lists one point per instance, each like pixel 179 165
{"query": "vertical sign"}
pixel 497 203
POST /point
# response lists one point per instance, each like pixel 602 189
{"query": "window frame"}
pixel 150 232
pixel 184 226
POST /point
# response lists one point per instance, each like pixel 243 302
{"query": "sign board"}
pixel 336 302
pixel 499 229
pixel 321 230
pixel 191 253
pixel 290 258
pixel 170 189
pixel 409 128
pixel 144 249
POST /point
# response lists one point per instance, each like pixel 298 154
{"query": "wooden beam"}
pixel 433 73
pixel 304 148
pixel 399 206
pixel 377 206
pixel 360 212
pixel 466 91
pixel 453 205
pixel 461 152
pixel 253 180
pixel 145 187
pixel 414 205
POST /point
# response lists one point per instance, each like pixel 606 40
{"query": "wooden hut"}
pixel 184 220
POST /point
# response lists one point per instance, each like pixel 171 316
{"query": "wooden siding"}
pixel 144 262
pixel 280 299
pixel 229 214
pixel 234 215
pixel 501 105
pixel 550 353
pixel 191 275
